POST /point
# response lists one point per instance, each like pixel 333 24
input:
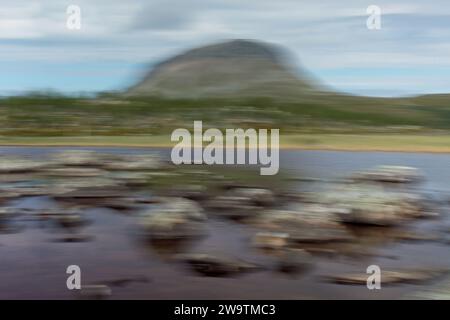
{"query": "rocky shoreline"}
pixel 172 211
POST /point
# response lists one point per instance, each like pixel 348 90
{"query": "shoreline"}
pixel 288 148
pixel 320 142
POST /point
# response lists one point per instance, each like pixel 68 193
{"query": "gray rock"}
pixel 395 174
pixel 241 203
pixel 175 220
pixel 389 276
pixel 438 292
pixel 191 191
pixel 132 179
pixel 79 158
pixel 19 165
pixel 372 205
pixel 214 265
pixel 71 218
pixel 7 213
pixel 8 195
pixel 32 190
pixel 74 172
pixel 310 223
pixel 73 238
pixel 294 261
pixel 95 291
pixel 135 163
pixel 270 240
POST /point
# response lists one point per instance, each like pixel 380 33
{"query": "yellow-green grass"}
pixel 369 142
pixel 351 142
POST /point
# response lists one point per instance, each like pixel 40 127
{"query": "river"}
pixel 34 267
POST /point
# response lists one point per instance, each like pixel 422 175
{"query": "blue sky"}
pixel 410 54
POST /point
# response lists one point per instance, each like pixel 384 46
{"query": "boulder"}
pixel 70 219
pixel 175 220
pixel 20 165
pixel 395 174
pixel 270 240
pixel 7 213
pixel 310 223
pixel 95 291
pixel 7 195
pixel 74 172
pixel 79 158
pixel 368 204
pixel 437 292
pixel 69 238
pixel 294 261
pixel 215 265
pixel 241 203
pixel 389 276
pixel 140 162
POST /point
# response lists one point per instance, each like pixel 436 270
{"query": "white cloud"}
pixel 326 34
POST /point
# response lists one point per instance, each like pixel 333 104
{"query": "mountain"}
pixel 229 69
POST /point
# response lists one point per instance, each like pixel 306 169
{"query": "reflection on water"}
pixel 56 219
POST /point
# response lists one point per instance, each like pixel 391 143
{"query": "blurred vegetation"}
pixel 47 115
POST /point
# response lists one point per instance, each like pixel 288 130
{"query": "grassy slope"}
pixel 317 121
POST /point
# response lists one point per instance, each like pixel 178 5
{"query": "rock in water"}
pixel 311 223
pixel 270 240
pixel 215 266
pixel 7 213
pixel 389 276
pixel 95 291
pixel 7 195
pixel 78 158
pixel 372 205
pixel 241 203
pixel 294 261
pixel 175 220
pixel 135 163
pixel 397 174
pixel 438 292
pixel 19 165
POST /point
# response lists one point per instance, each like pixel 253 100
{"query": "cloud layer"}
pixel 330 38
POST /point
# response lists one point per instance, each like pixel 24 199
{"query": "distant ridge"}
pixel 229 69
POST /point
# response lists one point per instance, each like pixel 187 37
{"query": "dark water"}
pixel 32 266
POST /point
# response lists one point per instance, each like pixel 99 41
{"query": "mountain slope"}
pixel 230 69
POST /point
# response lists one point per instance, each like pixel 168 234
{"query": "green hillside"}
pixel 116 115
